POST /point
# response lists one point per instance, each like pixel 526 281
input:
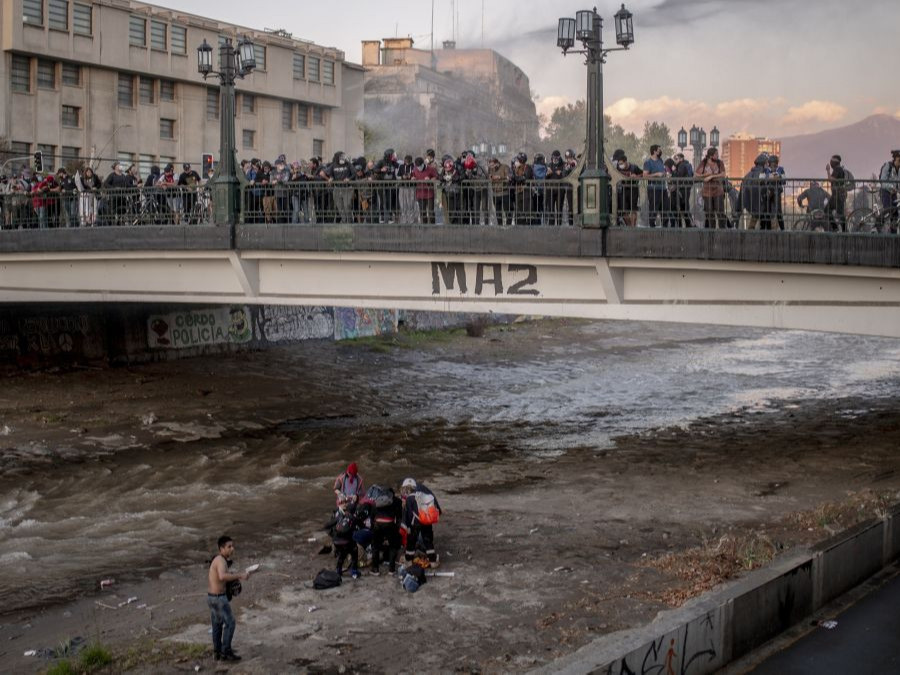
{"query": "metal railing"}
pixel 866 206
pixel 470 202
pixel 56 208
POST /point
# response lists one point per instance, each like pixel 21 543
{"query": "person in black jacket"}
pixel 386 175
pixel 341 527
pixel 383 511
pixel 339 174
pixel 520 176
pixel 681 191
pixel 115 200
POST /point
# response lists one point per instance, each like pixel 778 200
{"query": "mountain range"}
pixel 864 147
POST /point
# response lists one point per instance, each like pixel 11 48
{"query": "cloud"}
pixel 814 111
pixel 631 113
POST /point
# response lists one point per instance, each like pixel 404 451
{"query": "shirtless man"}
pixel 219 606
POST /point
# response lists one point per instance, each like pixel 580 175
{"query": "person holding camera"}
pixel 222 586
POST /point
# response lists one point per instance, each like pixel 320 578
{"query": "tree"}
pixel 616 138
pixel 657 133
pixel 566 127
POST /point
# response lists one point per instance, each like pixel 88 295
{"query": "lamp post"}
pixel 698 141
pixel 587 27
pixel 234 62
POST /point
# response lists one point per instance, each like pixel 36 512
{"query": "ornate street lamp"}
pixel 587 27
pixel 234 62
pixel 682 139
pixel 624 29
pixel 695 136
pixel 714 137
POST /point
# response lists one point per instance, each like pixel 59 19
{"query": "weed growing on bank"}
pixel 91 659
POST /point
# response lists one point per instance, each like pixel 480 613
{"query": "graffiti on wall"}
pixel 358 322
pixel 75 334
pixel 275 323
pixel 688 650
pixel 199 327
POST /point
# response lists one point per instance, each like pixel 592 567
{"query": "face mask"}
pixel 835 164
pixel 420 166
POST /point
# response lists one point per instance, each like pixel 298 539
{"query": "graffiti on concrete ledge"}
pixel 350 322
pixel 276 323
pixel 690 649
pixel 489 279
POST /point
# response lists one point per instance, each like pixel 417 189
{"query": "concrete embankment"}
pixel 714 629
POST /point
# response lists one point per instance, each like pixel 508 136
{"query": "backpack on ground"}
pixel 412 578
pixel 326 579
pixel 428 513
pixel 381 497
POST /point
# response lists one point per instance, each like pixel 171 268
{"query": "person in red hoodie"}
pixel 349 484
pixel 46 195
pixel 425 175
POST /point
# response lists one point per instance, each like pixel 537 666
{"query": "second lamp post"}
pixel 587 27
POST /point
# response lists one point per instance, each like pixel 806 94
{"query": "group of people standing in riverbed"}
pixel 381 521
pixel 376 519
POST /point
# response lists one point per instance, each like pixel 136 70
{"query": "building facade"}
pixel 135 95
pixel 739 152
pixel 449 99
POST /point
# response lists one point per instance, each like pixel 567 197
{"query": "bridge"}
pixel 848 283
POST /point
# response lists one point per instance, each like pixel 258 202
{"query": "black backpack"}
pixel 344 525
pixel 381 497
pixel 326 579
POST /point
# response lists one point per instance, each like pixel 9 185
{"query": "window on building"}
pixel 147 90
pixel 312 68
pixel 212 104
pixel 302 115
pixel 69 156
pixel 49 156
pixel 81 19
pixel 126 90
pixel 179 39
pixel 33 12
pixel 327 72
pixel 46 74
pixel 137 31
pixel 167 128
pixel 249 138
pixel 71 75
pixel 318 115
pixel 126 159
pixel 287 115
pixel 259 53
pixel 71 116
pixel 145 163
pixel 19 149
pixel 158 31
pixel 248 103
pixel 58 14
pixel 166 90
pixel 318 147
pixel 299 66
pixel 20 77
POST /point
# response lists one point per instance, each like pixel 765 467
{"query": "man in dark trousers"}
pixel 420 512
pixel 218 599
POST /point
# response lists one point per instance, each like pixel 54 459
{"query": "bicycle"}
pixel 815 220
pixel 876 219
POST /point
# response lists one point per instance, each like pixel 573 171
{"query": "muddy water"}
pixel 127 474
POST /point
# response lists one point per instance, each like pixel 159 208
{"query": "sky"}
pixel 766 67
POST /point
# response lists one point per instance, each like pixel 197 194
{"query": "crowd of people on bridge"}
pixel 456 190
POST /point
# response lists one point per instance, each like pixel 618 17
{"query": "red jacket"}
pixel 41 195
pixel 425 189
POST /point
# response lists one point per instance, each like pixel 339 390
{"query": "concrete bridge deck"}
pixel 804 280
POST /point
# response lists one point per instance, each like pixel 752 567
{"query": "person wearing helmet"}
pixel 521 176
pixel 475 198
pixel 498 175
pixel 342 526
pixel 889 190
pixel 555 189
pixel 420 512
pixel 837 176
pixel 451 193
pixel 386 174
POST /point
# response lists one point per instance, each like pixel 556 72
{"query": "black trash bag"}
pixel 326 579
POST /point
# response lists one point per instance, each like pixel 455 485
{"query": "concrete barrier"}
pixel 724 624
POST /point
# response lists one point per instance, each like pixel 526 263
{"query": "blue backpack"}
pixel 539 171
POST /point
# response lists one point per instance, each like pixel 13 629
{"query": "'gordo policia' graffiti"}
pixel 195 328
pixel 488 278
